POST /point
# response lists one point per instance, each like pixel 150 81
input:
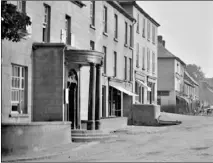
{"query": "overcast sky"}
pixel 187 28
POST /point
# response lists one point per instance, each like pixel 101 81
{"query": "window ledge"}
pixel 93 27
pixel 115 39
pixel 131 47
pixel 17 115
pixel 105 34
pixel 126 45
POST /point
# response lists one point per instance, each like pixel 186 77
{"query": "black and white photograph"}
pixel 106 81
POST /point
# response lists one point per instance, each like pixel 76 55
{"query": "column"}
pixel 98 97
pixel 91 107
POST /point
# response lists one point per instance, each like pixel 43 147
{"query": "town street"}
pixel 190 141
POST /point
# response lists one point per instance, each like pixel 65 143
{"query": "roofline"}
pixel 142 11
pixel 122 10
pixel 187 82
pixel 191 78
pixel 173 58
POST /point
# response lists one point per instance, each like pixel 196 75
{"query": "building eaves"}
pixel 141 10
pixel 186 74
pixel 79 3
pixel 121 10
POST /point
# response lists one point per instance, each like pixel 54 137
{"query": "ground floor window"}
pixel 18 89
pixel 103 101
pixel 114 102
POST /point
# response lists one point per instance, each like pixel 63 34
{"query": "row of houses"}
pixel 136 68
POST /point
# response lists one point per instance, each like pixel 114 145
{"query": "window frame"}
pixel 148 60
pixel 125 68
pixel 105 61
pixel 130 36
pixel 21 90
pixel 153 63
pixel 115 64
pixel 130 69
pixel 126 33
pixel 105 19
pixel 143 57
pixel 138 24
pixel 68 29
pixel 46 23
pixel 92 13
pixel 144 28
pixel 137 56
pixel 148 30
pixel 153 34
pixel 92 45
pixel 116 26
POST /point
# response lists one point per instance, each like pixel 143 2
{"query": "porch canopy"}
pixel 143 84
pixel 182 98
pixel 123 90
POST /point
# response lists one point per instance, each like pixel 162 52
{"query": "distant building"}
pixel 170 79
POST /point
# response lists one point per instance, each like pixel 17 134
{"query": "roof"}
pixel 121 9
pixel 141 10
pixel 189 78
pixel 163 53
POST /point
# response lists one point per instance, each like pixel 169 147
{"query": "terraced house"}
pixel 145 33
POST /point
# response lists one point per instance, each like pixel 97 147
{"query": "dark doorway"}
pixel 72 85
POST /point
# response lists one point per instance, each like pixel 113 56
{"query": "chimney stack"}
pixel 160 38
pixel 163 43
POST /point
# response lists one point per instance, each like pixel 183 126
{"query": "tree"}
pixel 195 71
pixel 13 22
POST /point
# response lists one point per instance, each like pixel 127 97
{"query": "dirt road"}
pixel 190 141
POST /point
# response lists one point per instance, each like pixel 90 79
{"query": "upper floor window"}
pixel 125 68
pixel 105 19
pixel 92 45
pixel 137 56
pixel 68 29
pixel 130 36
pixel 148 30
pixel 116 26
pixel 46 23
pixel 105 62
pixel 144 27
pixel 19 89
pixel 126 31
pixel 21 6
pixel 153 34
pixel 115 64
pixel 92 13
pixel 130 69
pixel 143 62
pixel 148 59
pixel 138 23
pixel 153 62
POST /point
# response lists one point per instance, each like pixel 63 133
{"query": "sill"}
pixel 131 47
pixel 104 74
pixel 153 43
pixel 105 34
pixel 93 27
pixel 17 115
pixel 126 45
pixel 115 39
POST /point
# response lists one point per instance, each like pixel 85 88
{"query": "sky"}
pixel 187 28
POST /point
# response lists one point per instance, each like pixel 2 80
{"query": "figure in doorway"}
pixel 72 84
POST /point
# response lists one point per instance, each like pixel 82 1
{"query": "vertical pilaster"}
pixel 91 107
pixel 98 99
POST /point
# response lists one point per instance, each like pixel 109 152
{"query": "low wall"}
pixel 109 124
pixel 25 137
pixel 144 114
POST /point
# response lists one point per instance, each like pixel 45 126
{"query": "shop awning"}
pixel 182 98
pixel 144 85
pixel 123 90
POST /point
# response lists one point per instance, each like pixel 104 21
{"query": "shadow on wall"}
pixel 168 108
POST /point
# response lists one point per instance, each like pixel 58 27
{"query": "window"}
pixel 144 27
pixel 153 34
pixel 126 26
pixel 116 26
pixel 46 24
pixel 115 64
pixel 68 29
pixel 153 91
pixel 92 13
pixel 92 45
pixel 148 30
pixel 125 68
pixel 105 19
pixel 153 62
pixel 130 36
pixel 130 69
pixel 105 62
pixel 138 23
pixel 136 91
pixel 137 56
pixel 148 59
pixel 143 62
pixel 18 91
pixel 21 6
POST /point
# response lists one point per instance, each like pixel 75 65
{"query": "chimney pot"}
pixel 160 38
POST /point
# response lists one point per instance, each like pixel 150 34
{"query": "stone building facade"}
pixel 145 70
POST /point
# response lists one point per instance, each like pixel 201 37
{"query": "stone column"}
pixel 98 98
pixel 91 107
